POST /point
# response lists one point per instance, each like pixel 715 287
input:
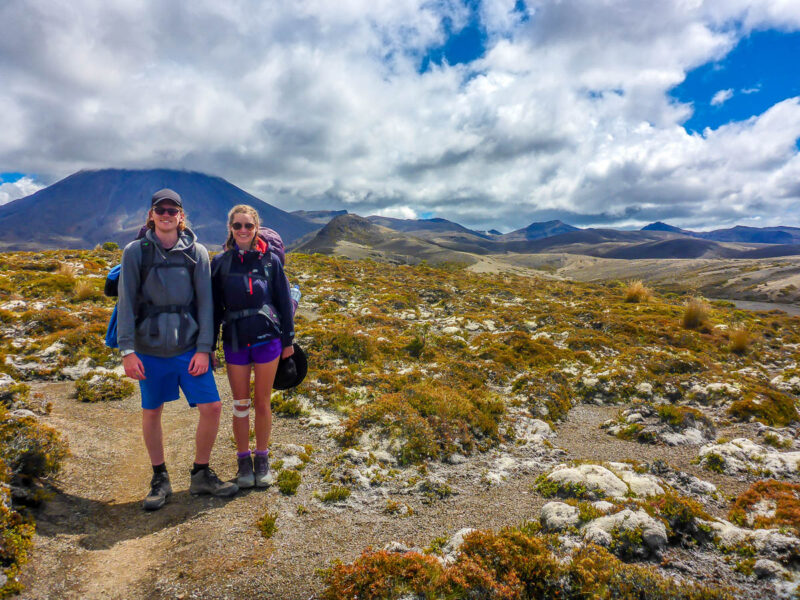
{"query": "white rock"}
pixel 593 477
pixel 771 542
pixel 454 544
pixel 645 389
pixel 292 462
pixel 769 569
pixel 634 418
pixel 82 368
pixel 557 516
pixel 451 330
pixel 52 349
pixel 654 534
pixel 742 455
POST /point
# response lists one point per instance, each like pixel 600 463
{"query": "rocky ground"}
pixel 438 402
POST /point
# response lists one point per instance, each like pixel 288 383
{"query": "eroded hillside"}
pixel 570 428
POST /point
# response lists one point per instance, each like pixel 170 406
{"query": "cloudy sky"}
pixel 492 113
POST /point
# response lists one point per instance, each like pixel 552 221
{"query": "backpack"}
pixel 111 287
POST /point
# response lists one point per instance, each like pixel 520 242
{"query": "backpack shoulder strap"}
pixel 148 259
pixel 223 266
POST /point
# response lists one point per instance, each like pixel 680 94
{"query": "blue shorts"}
pixel 265 352
pixel 165 375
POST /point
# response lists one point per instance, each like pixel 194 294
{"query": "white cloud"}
pixel 24 186
pixel 397 212
pixel 312 104
pixel 721 97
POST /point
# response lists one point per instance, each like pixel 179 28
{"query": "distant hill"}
pixel 536 231
pixel 422 225
pixel 92 207
pixel 321 217
pixel 356 237
pixel 740 234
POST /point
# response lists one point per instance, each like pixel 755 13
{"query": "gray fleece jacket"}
pixel 173 333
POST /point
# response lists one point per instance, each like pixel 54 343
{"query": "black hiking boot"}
pixel 261 468
pixel 244 476
pixel 205 481
pixel 160 491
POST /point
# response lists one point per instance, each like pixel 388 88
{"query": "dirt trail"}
pixel 93 539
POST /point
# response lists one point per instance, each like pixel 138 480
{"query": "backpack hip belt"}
pixel 152 311
pixel 231 316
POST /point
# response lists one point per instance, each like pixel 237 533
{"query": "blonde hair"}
pixel 246 209
pixel 151 224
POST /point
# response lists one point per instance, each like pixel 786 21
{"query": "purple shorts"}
pixel 265 352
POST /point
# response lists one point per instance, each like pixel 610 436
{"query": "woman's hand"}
pixel 199 364
pixel 133 366
pixel 287 352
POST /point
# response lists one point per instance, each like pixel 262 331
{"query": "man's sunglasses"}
pixel 248 226
pixel 161 210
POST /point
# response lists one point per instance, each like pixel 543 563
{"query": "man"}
pixel 164 330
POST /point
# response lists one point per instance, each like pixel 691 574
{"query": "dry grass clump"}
pixel 103 387
pixel 779 503
pixel 66 270
pixel 696 314
pixel 86 290
pixel 637 292
pixel 512 564
pixel 740 338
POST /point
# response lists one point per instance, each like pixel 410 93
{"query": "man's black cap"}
pixel 166 194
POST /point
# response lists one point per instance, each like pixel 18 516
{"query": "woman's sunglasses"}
pixel 248 226
pixel 160 210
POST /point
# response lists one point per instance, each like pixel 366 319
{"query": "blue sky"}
pixel 491 113
pixel 762 70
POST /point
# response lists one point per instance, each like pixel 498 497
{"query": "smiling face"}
pixel 243 230
pixel 166 217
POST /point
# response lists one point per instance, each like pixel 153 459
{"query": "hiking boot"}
pixel 205 481
pixel 261 468
pixel 160 491
pixel 244 476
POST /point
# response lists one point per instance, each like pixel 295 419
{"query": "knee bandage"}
pixel 241 408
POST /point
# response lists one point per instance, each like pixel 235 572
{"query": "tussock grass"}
pixel 696 314
pixel 740 338
pixel 637 292
pixel 86 290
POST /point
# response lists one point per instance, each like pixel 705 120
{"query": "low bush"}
pixel 103 387
pixel 781 499
pixel 766 405
pixel 337 493
pixel 513 564
pixel 28 447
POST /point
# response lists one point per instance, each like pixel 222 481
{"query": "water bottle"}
pixel 294 294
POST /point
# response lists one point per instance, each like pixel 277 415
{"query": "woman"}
pixel 252 303
pixel 164 330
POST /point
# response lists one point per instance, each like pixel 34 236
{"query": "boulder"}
pixel 602 530
pixel 595 479
pixel 742 455
pixel 558 516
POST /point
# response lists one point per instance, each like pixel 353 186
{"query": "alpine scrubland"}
pixel 459 434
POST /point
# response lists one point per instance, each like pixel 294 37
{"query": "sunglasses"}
pixel 249 226
pixel 160 210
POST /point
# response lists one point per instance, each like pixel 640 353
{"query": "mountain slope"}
pixel 536 231
pixel 92 207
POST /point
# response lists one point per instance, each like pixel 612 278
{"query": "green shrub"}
pixel 337 493
pixel 103 387
pixel 28 447
pixel 266 524
pixel 110 246
pixel 288 481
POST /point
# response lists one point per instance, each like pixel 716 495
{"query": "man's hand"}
pixel 198 364
pixel 133 366
pixel 287 352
